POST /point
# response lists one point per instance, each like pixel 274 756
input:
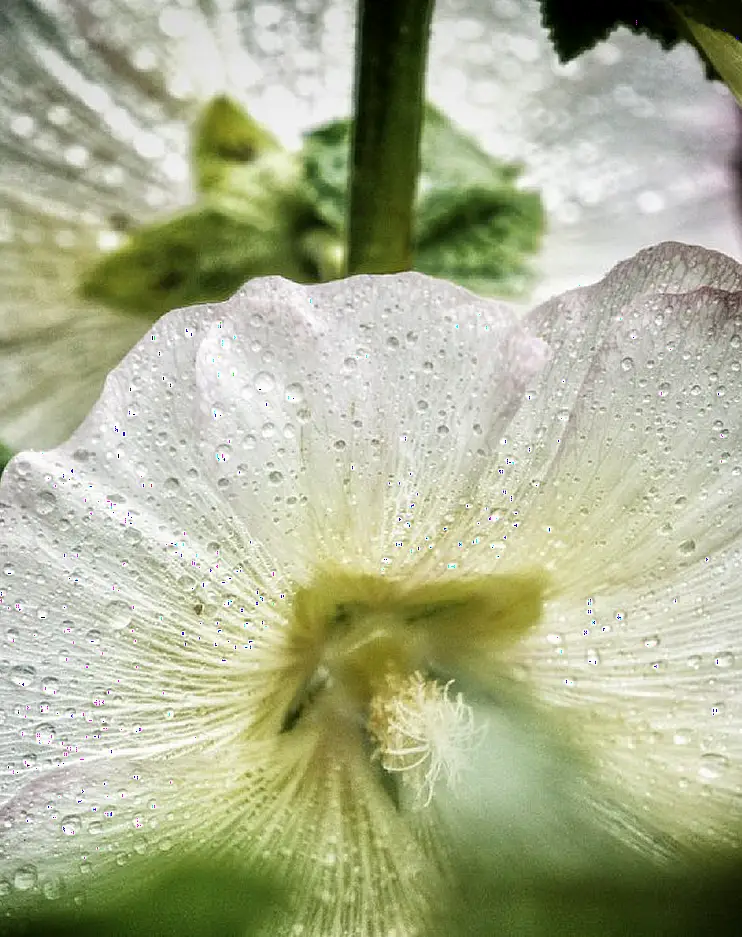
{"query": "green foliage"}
pixel 699 900
pixel 575 27
pixel 263 211
pixel 472 224
pixel 249 226
pixel 6 454
pixel 190 899
pixel 226 134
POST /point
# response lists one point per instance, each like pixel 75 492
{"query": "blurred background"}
pixel 627 145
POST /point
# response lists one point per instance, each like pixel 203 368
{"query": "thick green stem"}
pixel 391 54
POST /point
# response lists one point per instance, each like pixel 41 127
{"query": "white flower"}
pixel 98 100
pixel 234 601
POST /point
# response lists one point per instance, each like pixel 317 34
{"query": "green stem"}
pixel 391 53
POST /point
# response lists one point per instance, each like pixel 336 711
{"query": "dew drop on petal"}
pixel 170 487
pixel 25 878
pixel 275 478
pixel 71 825
pixel 627 364
pixel 712 766
pixel 45 502
pixel 694 661
pixel 264 382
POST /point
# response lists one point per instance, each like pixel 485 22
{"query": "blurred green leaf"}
pixel 6 454
pixel 226 134
pixel 703 899
pixel 249 226
pixel 473 225
pixel 190 899
pixel 264 211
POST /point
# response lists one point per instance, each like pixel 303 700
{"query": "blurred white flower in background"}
pixel 629 145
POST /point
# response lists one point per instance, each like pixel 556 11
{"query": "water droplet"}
pixel 23 675
pixel 349 365
pixel 44 733
pixel 93 636
pixel 45 502
pixel 694 661
pixel 593 657
pixel 264 382
pixel 392 341
pixel 52 889
pixel 422 405
pixel 627 364
pixel 442 430
pixel 170 487
pixel 339 444
pixel 712 766
pixel 11 635
pixel 664 389
pixel 71 825
pixel 725 660
pixel 132 536
pixel 8 569
pixel 25 878
pixel 563 415
pixel 275 478
pixel 652 641
pixel 117 613
pixel 223 452
pixel 682 736
pixel 687 547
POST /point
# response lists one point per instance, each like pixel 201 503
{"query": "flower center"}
pixel 370 648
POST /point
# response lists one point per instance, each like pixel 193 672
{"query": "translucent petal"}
pixel 626 471
pixel 150 564
pixel 350 412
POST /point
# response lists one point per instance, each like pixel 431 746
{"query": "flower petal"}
pixel 626 472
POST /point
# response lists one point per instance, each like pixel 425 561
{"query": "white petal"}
pixel 633 435
pixel 355 411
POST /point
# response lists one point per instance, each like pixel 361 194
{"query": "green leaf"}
pixel 224 134
pixel 249 226
pixel 723 51
pixel 190 899
pixel 6 454
pixel 472 225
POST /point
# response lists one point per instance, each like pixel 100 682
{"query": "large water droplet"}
pixel 25 878
pixel 223 452
pixel 45 502
pixel 71 825
pixel 23 675
pixel 712 766
pixel 264 382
